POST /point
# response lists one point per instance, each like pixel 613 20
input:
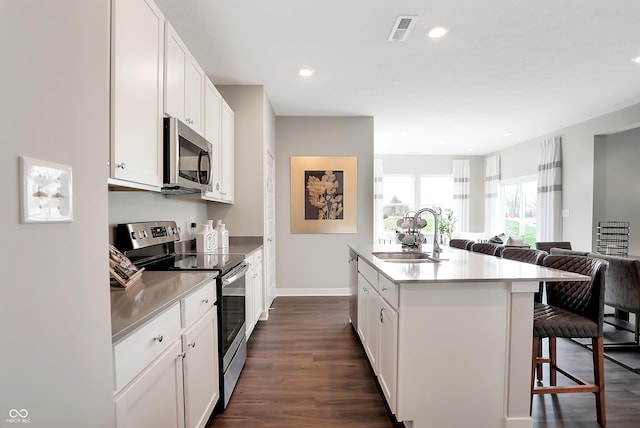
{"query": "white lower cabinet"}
pixel 368 320
pixel 154 398
pixel 254 289
pixel 201 380
pixel 387 351
pixel 166 371
pixel 378 329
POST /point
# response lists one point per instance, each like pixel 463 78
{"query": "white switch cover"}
pixel 565 213
pixel 46 191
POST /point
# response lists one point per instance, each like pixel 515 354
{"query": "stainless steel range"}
pixel 156 246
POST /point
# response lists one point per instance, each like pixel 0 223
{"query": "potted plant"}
pixel 446 223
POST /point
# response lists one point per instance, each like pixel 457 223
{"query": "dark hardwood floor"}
pixel 306 368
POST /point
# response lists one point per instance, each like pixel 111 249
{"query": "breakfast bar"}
pixel 449 338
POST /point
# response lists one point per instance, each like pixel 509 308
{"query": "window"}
pixel 436 190
pixel 404 193
pixel 520 205
pixel 398 198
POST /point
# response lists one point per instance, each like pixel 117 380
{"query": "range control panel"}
pixel 133 236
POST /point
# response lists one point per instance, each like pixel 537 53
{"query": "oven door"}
pixel 232 311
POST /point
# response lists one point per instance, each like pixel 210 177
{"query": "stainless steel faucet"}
pixel 436 247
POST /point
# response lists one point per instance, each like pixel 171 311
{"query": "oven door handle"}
pixel 233 276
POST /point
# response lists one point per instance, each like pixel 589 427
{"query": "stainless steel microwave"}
pixel 187 159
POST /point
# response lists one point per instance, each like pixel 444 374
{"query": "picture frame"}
pixel 121 268
pixel 324 194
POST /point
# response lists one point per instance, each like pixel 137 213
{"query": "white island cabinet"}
pixel 450 342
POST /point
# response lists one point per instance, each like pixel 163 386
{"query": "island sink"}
pixel 405 257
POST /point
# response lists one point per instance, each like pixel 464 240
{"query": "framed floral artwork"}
pixel 324 195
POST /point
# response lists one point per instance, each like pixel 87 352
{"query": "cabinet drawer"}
pixel 197 303
pixel 137 351
pixel 389 291
pixel 369 273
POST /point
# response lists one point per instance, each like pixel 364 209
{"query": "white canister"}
pixel 223 235
pixel 214 235
pixel 205 239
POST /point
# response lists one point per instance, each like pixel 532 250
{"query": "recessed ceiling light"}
pixel 405 132
pixel 636 60
pixel 437 32
pixel 305 72
pixel 508 134
pixel 469 150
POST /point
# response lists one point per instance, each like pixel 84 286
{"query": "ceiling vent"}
pixel 401 28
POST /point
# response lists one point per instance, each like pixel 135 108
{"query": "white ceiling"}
pixel 526 67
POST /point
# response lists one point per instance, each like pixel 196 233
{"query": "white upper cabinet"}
pixel 137 56
pixel 213 134
pixel 183 82
pixel 228 154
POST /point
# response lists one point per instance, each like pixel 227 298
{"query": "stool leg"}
pixel 553 375
pixel 539 365
pixel 597 345
pixel 534 363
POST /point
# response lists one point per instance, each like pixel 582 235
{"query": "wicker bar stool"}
pixel 547 246
pixel 487 248
pixel 461 243
pixel 574 309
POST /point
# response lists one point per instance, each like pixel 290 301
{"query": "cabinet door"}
pixel 248 301
pixel 176 55
pixel 155 397
pixel 137 92
pixel 363 290
pixel 201 380
pixel 367 320
pixel 194 94
pixel 257 287
pixel 387 351
pixel 228 155
pixel 372 337
pixel 213 134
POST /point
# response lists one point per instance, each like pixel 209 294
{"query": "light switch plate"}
pixel 46 191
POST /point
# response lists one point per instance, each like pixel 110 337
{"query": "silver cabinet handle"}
pixel 381 314
pixel 205 301
pixel 121 165
pixel 182 355
pixel 192 344
pixel 159 338
pixel 384 289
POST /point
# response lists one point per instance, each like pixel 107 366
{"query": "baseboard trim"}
pixel 291 292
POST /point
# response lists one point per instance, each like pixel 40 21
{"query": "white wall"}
pixel 578 167
pixel 317 263
pixel 55 329
pixel 127 207
pixel 252 114
pixel 443 165
pixel 617 174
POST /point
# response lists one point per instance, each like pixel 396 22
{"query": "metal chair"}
pixel 487 248
pixel 461 243
pixel 547 246
pixel 574 309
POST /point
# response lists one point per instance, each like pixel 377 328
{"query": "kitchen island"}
pixel 450 341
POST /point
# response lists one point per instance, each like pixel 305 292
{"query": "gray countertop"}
pixel 458 265
pixel 156 291
pixel 244 245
